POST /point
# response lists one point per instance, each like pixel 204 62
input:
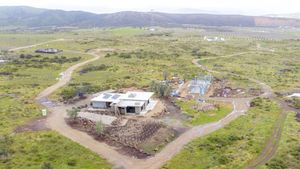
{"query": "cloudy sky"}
pixel 252 7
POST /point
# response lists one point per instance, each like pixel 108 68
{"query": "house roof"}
pixel 138 96
pixel 108 97
pixel 134 99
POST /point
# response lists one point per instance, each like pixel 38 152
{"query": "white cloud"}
pixel 222 6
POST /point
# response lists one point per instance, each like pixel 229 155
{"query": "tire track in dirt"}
pixel 38 44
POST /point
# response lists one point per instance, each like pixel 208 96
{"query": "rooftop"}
pixel 108 97
pixel 139 96
pixel 129 96
pixel 129 103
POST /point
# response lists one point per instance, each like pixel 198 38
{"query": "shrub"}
pixel 296 103
pixel 68 93
pixel 101 67
pixel 71 162
pixel 99 128
pixel 73 113
pixel 46 165
pixel 257 102
pixel 160 89
pixel 125 55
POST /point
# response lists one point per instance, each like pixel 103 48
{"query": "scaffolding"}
pixel 200 84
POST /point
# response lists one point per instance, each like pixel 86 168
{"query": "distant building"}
pixel 214 39
pixel 48 51
pixel 128 103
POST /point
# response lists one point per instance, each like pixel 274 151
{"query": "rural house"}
pixel 128 103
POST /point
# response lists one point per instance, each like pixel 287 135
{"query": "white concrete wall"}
pixel 138 110
pixel 99 105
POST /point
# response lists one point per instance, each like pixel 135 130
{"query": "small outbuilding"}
pixel 48 51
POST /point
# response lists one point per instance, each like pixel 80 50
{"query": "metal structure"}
pixel 200 84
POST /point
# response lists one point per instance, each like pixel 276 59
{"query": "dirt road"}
pixel 272 142
pixel 38 44
pixel 66 78
pixel 56 122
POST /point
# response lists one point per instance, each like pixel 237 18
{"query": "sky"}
pixel 246 7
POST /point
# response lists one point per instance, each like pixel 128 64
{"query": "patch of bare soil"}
pixel 33 125
pixel 131 138
pixel 173 117
pixel 220 89
pixel 159 140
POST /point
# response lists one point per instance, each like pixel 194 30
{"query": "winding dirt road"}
pixel 56 122
pixel 272 143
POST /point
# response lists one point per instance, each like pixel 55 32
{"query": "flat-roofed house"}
pixel 129 103
pixel 134 102
pixel 105 100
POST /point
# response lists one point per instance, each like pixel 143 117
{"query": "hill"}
pixel 292 15
pixel 34 17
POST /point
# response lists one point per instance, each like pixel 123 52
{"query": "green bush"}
pixel 161 89
pixel 68 93
pixel 73 113
pixel 46 165
pixel 99 128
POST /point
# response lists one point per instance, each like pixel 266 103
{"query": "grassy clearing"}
pixel 32 150
pixel 203 117
pixel 232 146
pixel 280 69
pixel 288 153
pixel 13 112
pixel 10 40
pixel 126 31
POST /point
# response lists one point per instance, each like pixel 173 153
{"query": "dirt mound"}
pixel 134 132
pixel 138 138
pixel 33 125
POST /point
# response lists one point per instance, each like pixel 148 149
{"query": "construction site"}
pixel 139 123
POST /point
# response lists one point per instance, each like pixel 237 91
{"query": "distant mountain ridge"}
pixel 292 15
pixel 35 17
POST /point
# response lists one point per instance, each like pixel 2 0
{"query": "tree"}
pixel 81 91
pixel 160 89
pixel 73 113
pixel 99 128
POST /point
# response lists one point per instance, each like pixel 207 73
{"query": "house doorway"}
pixel 130 110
